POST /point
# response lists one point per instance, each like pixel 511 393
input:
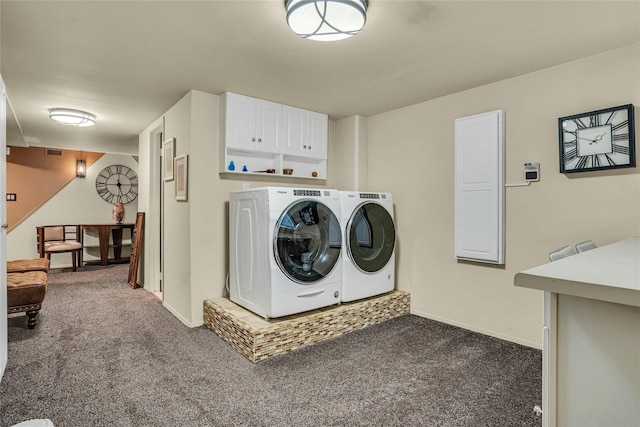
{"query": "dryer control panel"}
pixel 307 193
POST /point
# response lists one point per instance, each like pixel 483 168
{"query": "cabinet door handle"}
pixel 309 147
pixel 253 140
pixel 304 146
pixel 259 139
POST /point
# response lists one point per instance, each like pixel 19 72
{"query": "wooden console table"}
pixel 104 230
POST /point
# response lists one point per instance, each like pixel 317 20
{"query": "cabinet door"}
pixel 479 188
pixel 268 126
pixel 240 122
pixel 294 131
pixel 317 135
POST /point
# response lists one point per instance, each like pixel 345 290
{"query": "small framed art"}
pixel 182 177
pixel 168 150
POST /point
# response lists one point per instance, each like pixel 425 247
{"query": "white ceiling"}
pixel 129 62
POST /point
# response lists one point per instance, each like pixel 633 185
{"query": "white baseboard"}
pixel 480 330
pixel 61 265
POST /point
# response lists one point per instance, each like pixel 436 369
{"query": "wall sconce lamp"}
pixel 81 168
pixel 326 20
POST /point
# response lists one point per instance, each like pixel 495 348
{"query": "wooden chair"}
pixel 56 239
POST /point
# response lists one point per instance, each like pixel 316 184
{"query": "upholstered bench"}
pixel 25 293
pixel 22 265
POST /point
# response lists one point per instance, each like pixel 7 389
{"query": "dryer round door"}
pixel 371 237
pixel 307 241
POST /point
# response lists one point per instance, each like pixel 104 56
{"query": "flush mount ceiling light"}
pixel 72 117
pixel 326 20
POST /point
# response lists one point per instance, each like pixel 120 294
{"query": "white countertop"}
pixel 608 273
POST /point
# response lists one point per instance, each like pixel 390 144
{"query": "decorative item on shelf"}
pixel 287 171
pixel 232 166
pixel 244 168
pixel 118 212
pixel 326 20
pixel 601 139
pixel 314 174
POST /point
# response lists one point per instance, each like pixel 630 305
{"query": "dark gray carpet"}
pixel 103 354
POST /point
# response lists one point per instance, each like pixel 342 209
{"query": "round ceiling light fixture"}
pixel 326 20
pixel 70 117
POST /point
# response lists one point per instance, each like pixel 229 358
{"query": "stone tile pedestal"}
pixel 258 338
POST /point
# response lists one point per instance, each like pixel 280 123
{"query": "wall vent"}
pixel 54 152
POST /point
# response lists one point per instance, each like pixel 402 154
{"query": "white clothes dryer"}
pixel 368 260
pixel 284 249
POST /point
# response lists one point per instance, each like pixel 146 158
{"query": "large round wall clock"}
pixel 117 183
pixel 602 139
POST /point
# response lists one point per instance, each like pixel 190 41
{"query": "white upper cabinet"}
pixel 304 133
pixel 317 130
pixel 294 130
pixel 258 136
pixel 252 124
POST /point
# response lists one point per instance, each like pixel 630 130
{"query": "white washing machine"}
pixel 368 259
pixel 284 249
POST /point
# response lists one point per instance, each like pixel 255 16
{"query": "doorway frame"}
pixel 150 152
pixel 4 335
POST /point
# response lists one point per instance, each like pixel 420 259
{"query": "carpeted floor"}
pixel 104 354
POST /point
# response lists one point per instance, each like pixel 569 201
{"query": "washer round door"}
pixel 307 241
pixel 371 237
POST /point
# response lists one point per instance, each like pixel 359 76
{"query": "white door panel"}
pixel 479 187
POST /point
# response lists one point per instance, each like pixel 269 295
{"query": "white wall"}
pixel 351 159
pixel 411 154
pixel 76 203
pixel 176 250
pixel 208 203
pixel 194 243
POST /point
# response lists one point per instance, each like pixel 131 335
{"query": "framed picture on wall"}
pixel 168 150
pixel 182 177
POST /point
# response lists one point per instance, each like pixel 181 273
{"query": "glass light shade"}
pixel 81 168
pixel 69 117
pixel 326 20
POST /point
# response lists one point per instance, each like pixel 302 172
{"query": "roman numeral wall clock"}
pixel 117 183
pixel 602 139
